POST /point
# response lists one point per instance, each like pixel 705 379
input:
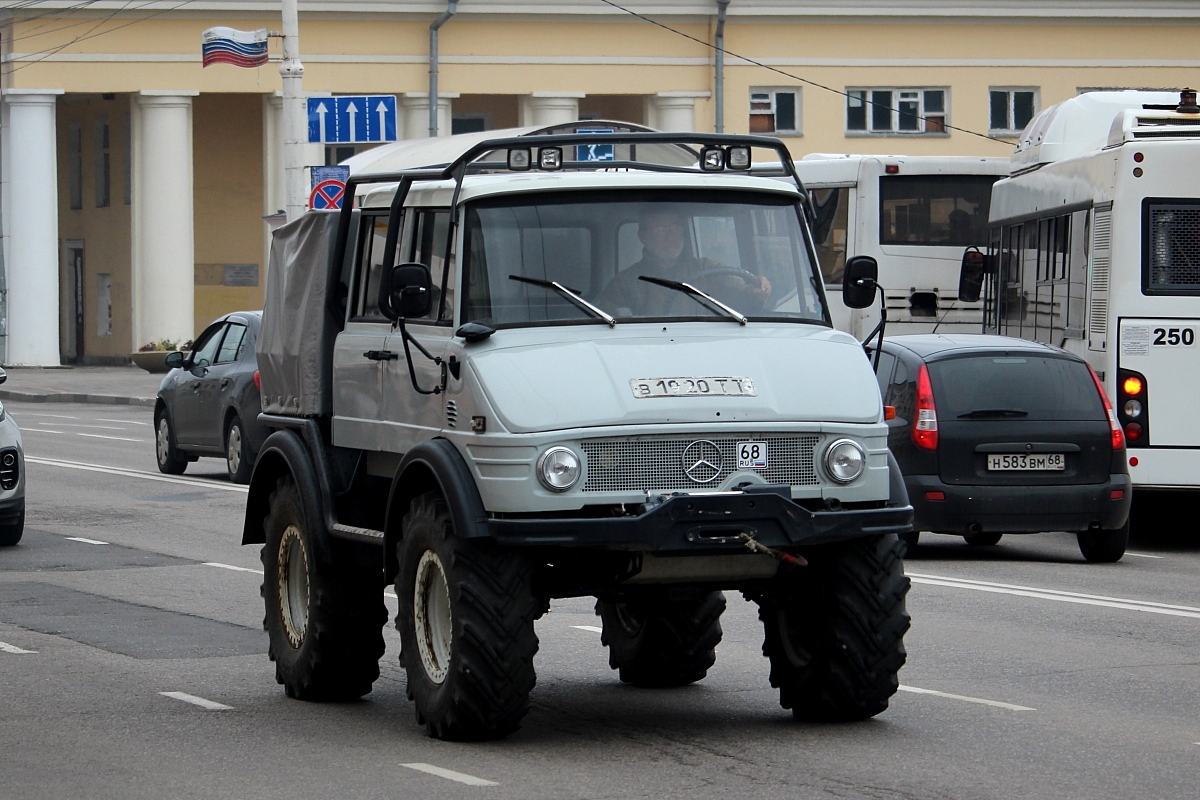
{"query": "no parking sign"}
pixel 328 187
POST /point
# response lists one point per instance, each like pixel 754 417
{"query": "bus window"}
pixel 830 232
pixel 938 210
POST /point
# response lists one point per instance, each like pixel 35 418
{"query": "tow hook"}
pixel 755 546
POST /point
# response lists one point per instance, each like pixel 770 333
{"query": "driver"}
pixel 662 230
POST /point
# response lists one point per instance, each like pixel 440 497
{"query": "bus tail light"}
pixel 1118 435
pixel 925 431
pixel 1133 407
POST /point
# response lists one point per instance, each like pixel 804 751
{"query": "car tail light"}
pixel 1133 407
pixel 258 380
pixel 1118 436
pixel 925 431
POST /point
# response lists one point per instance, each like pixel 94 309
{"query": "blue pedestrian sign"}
pixel 352 119
pixel 594 152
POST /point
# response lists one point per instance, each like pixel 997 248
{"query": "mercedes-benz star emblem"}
pixel 701 461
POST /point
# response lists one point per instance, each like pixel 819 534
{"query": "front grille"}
pixel 10 469
pixel 656 463
pixel 1174 247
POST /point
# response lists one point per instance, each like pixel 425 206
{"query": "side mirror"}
pixel 860 282
pixel 407 292
pixel 174 360
pixel 3 376
pixel 970 276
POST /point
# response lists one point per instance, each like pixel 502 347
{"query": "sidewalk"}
pixel 107 385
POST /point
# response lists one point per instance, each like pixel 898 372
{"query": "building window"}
pixel 100 152
pixel 469 123
pixel 1011 109
pixel 897 112
pixel 75 164
pixel 775 111
pixel 336 154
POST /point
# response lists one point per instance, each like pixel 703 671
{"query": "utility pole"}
pixel 443 18
pixel 295 115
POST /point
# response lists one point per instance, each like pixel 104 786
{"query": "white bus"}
pixel 914 215
pixel 1094 246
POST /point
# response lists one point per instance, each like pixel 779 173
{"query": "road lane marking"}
pixel 450 774
pixel 122 421
pixel 42 430
pixel 1142 555
pixel 232 567
pixel 80 425
pixel 967 699
pixel 197 701
pixel 5 647
pixel 133 473
pixel 1036 593
pixel 115 438
pixel 592 628
pixel 85 541
pixel 55 416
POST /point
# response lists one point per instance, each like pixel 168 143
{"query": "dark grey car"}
pixel 208 405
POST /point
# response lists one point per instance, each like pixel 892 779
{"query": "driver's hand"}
pixel 763 289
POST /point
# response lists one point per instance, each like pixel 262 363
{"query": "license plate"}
pixel 752 455
pixel 692 387
pixel 1027 461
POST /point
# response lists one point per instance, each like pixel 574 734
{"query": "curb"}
pixel 69 397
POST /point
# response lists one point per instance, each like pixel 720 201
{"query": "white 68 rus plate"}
pixel 693 387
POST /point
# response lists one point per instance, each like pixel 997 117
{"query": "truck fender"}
pixel 897 491
pixel 433 465
pixel 283 453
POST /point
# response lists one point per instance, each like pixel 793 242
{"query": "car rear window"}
pixel 1002 386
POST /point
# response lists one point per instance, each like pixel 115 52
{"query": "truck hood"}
pixel 800 373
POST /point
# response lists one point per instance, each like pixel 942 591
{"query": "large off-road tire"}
pixel 325 610
pixel 11 532
pixel 911 540
pixel 835 630
pixel 466 612
pixel 239 461
pixel 170 460
pixel 659 642
pixel 1104 547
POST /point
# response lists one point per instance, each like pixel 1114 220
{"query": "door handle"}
pixel 381 355
pixel 225 383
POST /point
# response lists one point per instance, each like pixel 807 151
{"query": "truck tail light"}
pixel 1118 436
pixel 925 431
pixel 1133 407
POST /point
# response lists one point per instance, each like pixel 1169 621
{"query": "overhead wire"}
pixel 747 59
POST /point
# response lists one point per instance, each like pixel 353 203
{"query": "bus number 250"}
pixel 1171 337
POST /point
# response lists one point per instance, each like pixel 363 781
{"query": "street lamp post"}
pixel 295 117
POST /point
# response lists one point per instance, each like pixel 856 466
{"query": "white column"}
pixel 414 107
pixel 550 108
pixel 31 221
pixel 163 244
pixel 673 111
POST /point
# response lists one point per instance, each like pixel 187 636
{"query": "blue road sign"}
pixel 335 173
pixel 350 119
pixel 594 152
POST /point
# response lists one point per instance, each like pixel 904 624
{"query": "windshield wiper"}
pixel 570 294
pixel 983 413
pixel 696 294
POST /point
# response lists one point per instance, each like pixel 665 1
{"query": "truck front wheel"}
pixel 325 612
pixel 466 612
pixel 835 630
pixel 659 642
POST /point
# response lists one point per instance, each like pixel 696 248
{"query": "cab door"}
pixel 187 415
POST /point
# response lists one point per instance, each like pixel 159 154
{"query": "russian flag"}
pixel 231 46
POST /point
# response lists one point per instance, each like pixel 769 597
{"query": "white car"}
pixel 12 478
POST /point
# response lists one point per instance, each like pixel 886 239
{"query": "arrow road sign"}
pixel 351 119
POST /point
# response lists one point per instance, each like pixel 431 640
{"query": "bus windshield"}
pixel 938 210
pixel 745 250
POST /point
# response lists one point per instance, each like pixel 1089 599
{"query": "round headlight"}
pixel 558 469
pixel 845 460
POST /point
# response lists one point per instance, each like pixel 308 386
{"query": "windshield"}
pixel 744 249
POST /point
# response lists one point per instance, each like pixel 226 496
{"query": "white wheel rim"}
pixel 293 585
pixel 162 440
pixel 433 622
pixel 233 452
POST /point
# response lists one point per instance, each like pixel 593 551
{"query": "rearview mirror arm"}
pixel 412 372
pixel 878 330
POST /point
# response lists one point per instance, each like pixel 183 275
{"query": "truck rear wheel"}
pixel 835 632
pixel 658 642
pixel 466 612
pixel 325 613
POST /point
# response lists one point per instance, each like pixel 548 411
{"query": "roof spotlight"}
pixel 712 159
pixel 738 157
pixel 518 160
pixel 550 158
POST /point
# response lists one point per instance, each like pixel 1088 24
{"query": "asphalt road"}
pixel 1031 674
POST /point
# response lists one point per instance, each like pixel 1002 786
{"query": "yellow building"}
pixel 135 182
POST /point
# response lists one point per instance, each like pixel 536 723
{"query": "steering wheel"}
pixel 748 296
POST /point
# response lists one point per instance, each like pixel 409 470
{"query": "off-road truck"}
pixel 558 365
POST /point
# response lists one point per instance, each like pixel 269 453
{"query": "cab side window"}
pixel 426 244
pixel 231 345
pixel 373 234
pixel 205 352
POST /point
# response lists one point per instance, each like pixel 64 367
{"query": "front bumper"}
pixel 11 510
pixel 1018 509
pixel 706 523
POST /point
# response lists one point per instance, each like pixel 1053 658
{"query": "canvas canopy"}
pixel 299 321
